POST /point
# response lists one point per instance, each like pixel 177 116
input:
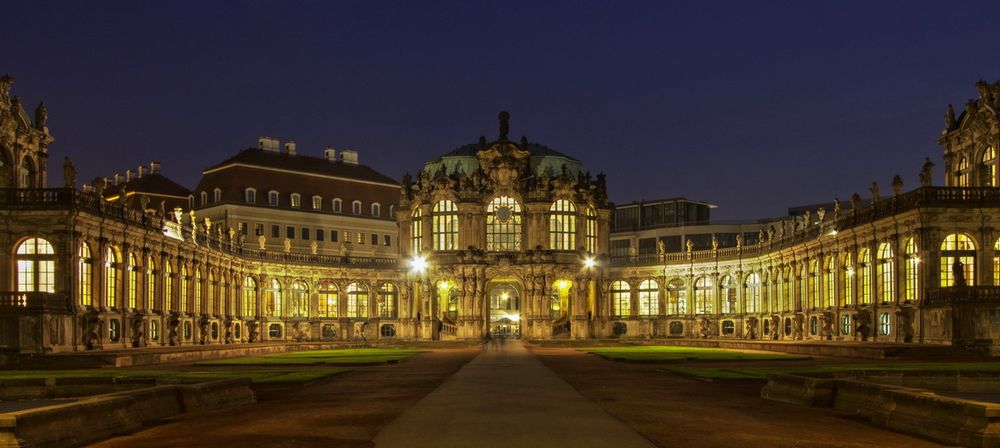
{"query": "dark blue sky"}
pixel 751 106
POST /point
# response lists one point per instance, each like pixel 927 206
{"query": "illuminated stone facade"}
pixel 504 237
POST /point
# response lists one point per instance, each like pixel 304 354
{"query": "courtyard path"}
pixel 505 397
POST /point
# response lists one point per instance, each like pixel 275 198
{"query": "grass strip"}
pixel 666 353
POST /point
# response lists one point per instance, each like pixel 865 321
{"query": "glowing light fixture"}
pixel 562 285
pixel 418 264
pixel 589 262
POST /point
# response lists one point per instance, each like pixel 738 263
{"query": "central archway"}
pixel 504 309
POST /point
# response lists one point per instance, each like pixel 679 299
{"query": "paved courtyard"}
pixel 514 394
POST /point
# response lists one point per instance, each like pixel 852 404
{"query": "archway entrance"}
pixel 505 310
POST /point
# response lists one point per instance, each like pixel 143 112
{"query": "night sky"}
pixel 751 106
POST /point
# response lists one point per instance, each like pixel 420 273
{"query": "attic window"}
pixel 317 203
pixel 204 198
pixel 356 207
pixel 272 198
pixel 217 195
pixel 296 200
pixel 251 195
pixel 376 209
pixel 336 205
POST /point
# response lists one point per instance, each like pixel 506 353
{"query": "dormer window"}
pixel 337 205
pixel 190 201
pixel 317 203
pixel 376 209
pixel 296 200
pixel 272 198
pixel 251 195
pixel 217 195
pixel 204 198
pixel 356 207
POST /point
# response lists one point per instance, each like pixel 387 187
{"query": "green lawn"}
pixel 351 357
pixel 258 376
pixel 759 373
pixel 669 353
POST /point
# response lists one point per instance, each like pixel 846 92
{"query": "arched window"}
pixel 444 225
pixel 36 266
pixel 111 265
pixel 28 178
pixel 196 308
pixel 911 276
pixel 676 297
pixel 848 280
pixel 886 273
pixel 417 232
pixel 989 167
pixel 865 280
pixel 752 293
pixel 963 173
pixel 249 305
pixel 337 205
pixel 804 289
pixel 590 230
pixel 204 198
pixel 728 289
pixel 86 280
pixel 621 299
pixel 317 202
pixel 815 288
pixel 830 282
pixel 357 300
pixel 387 300
pixel 356 207
pixel 272 299
pixel 704 297
pixel 328 299
pixel 503 224
pixel 168 287
pixel 649 298
pixel 225 303
pixel 786 298
pixel 376 209
pixel 958 252
pixel 211 304
pixel 217 195
pixel 296 200
pixel 272 198
pixel 150 285
pixel 133 282
pixel 250 195
pixel 298 299
pixel 562 225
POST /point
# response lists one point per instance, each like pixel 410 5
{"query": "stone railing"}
pixel 952 197
pixel 73 200
pixel 448 329
pixel 34 301
pixel 962 294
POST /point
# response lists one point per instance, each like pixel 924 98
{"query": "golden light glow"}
pixel 504 296
pixel 418 264
pixel 445 284
pixel 850 272
pixel 562 285
pixel 589 262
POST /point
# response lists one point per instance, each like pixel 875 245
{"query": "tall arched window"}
pixel 911 276
pixel 621 299
pixel 28 177
pixel 865 280
pixel 417 232
pixel 357 300
pixel 337 205
pixel 133 282
pixel 786 298
pixel 590 230
pixel 503 224
pixel 150 285
pixel 886 274
pixel 848 280
pixel 989 167
pixel 649 298
pixel 168 287
pixel 704 299
pixel 111 265
pixel 830 282
pixel 328 299
pixel 272 299
pixel 224 306
pixel 444 223
pixel 562 225
pixel 249 305
pixel 676 297
pixel 36 266
pixel 958 251
pixel 211 304
pixel 198 285
pixel 752 293
pixel 86 280
pixel 815 288
pixel 298 299
pixel 963 173
pixel 376 209
pixel 386 301
pixel 727 287
pixel 183 298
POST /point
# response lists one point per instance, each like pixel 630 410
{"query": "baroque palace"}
pixel 504 238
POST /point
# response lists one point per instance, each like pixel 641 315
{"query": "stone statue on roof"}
pixel 874 191
pixel 69 173
pixel 41 116
pixel 949 118
pixel 897 185
pixel 5 82
pixel 927 172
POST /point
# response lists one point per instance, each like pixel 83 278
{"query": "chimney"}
pixel 349 156
pixel 118 178
pixel 128 175
pixel 330 154
pixel 290 147
pixel 141 172
pixel 269 143
pixel 154 167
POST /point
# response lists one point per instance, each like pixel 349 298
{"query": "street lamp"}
pixel 418 264
pixel 589 262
